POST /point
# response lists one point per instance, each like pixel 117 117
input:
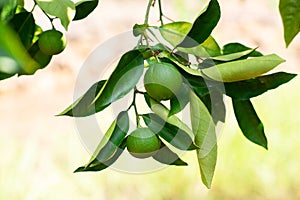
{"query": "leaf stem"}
pixel 137 116
pixel 160 12
pixel 148 11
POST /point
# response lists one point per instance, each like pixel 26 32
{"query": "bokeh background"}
pixel 38 151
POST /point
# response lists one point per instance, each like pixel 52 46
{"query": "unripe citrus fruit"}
pixel 162 81
pixel 52 42
pixel 142 143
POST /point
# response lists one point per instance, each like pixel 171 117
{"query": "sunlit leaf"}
pixel 233 56
pixel 63 9
pixel 13 56
pixel 243 69
pixel 205 137
pixel 175 32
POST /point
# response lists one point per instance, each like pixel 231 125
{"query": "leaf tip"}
pixel 79 169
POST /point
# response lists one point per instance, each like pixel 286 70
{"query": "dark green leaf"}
pixel 5 75
pixel 163 113
pixel 84 8
pixel 203 26
pixel 24 25
pixel 116 138
pixel 247 89
pixel 111 145
pixel 167 156
pixel 215 104
pixel 172 134
pixel 98 166
pixel 237 47
pixel 7 9
pixel 180 100
pixel 290 14
pixel 123 79
pixel 84 105
pixel 249 122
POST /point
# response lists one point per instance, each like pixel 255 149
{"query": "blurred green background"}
pixel 39 151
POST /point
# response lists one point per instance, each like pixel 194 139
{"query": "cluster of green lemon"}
pixel 161 81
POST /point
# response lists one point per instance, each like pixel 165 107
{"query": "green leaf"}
pixel 123 79
pixel 243 69
pixel 205 137
pixel 7 9
pixel 197 83
pixel 175 32
pixel 173 58
pixel 13 51
pixel 115 135
pixel 167 156
pixel 84 105
pixel 180 100
pixel 24 25
pixel 163 113
pixel 140 29
pixel 111 145
pixel 84 8
pixel 237 47
pixel 98 166
pixel 214 102
pixel 5 75
pixel 203 26
pixel 249 122
pixel 63 9
pixel 247 89
pixel 207 166
pixel 290 14
pixel 234 56
pixel 172 134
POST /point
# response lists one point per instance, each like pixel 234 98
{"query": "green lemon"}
pixel 52 42
pixel 162 81
pixel 143 143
